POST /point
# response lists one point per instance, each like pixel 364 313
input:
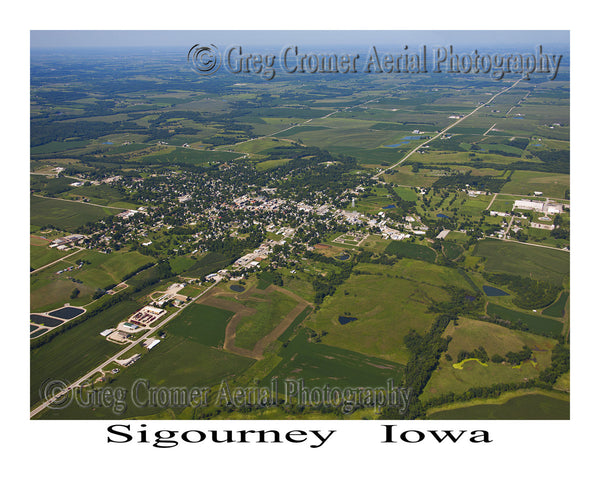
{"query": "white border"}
pixel 75 449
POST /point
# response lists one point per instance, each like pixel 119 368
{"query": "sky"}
pixel 56 39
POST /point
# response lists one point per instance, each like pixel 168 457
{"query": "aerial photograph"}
pixel 302 225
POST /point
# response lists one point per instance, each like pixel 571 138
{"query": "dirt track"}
pixel 220 300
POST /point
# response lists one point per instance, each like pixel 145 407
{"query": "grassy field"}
pixel 387 301
pixel 268 315
pixel 50 289
pixel 64 215
pixel 525 260
pixel 470 334
pixel 40 255
pixel 181 263
pixel 202 324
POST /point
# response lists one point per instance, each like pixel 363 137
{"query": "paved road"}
pixel 526 243
pixel 56 261
pixel 79 381
pixel 445 130
pixel 506 232
pixel 83 203
pixel 492 201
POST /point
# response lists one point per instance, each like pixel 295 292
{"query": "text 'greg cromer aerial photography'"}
pixel 300 225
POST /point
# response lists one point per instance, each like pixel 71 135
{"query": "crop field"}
pixel 403 175
pixel 317 364
pixel 268 164
pixel 64 215
pixel 202 324
pixel 209 263
pixel 189 157
pixel 537 406
pixel 175 362
pixel 553 185
pixel 55 147
pixel 411 250
pixel 268 315
pixel 102 195
pixel 536 323
pixel 77 350
pixel 525 260
pixel 557 309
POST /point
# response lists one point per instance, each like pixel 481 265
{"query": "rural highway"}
pixel 79 381
pixel 56 261
pixel 531 244
pixel 83 203
pixel 445 130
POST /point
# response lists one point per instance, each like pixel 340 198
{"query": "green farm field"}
pixel 269 314
pixel 553 185
pixel 201 323
pixel 74 352
pixel 175 362
pixel 526 260
pixel 387 301
pixel 63 214
pixel 317 364
pixel 528 406
pixel 50 289
pixel 40 255
pixel 535 322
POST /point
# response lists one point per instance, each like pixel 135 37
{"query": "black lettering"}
pixel 447 434
pixel 112 429
pixel 288 436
